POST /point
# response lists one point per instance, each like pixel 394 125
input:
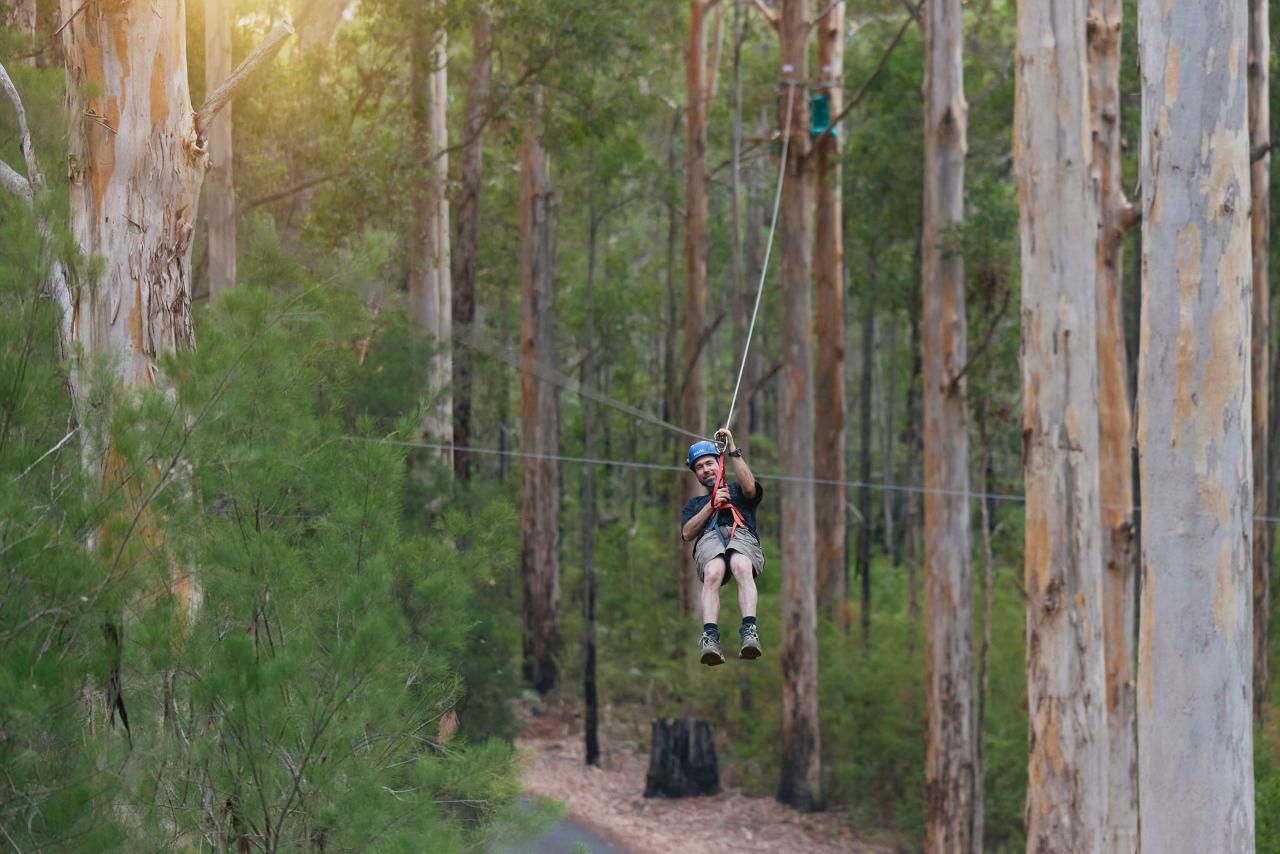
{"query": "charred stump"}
pixel 682 760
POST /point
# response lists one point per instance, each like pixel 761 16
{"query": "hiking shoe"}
pixel 750 642
pixel 710 647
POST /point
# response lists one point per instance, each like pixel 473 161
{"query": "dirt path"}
pixel 609 801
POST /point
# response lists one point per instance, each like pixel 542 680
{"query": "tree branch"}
pixel 294 189
pixel 1127 214
pixel 982 348
pixel 866 85
pixel 33 181
pixel 1262 149
pixel 817 19
pixel 769 15
pixel 251 63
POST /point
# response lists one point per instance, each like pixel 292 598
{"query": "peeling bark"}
pixel 540 503
pixel 829 381
pixel 1115 433
pixel 799 783
pixel 1196 790
pixel 950 763
pixel 1066 688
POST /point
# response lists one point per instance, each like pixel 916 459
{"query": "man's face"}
pixel 704 469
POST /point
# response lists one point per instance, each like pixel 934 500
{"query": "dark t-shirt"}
pixel 746 506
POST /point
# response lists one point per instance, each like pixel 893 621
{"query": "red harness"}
pixel 737 515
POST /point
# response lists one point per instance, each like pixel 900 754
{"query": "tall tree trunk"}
pixel 799 783
pixel 590 698
pixel 829 385
pixel 540 556
pixel 318 20
pixel 220 199
pixel 1195 632
pixel 466 242
pixel 911 501
pixel 888 380
pixel 1115 435
pixel 1260 352
pixel 988 591
pixel 950 764
pixel 865 530
pixel 430 292
pixel 1066 805
pixel 693 403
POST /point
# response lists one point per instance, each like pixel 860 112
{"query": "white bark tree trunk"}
pixel 951 764
pixel 220 199
pixel 1115 427
pixel 1195 634
pixel 430 282
pixel 1066 690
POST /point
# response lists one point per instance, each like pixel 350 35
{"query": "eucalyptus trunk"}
pixel 950 762
pixel 220 196
pixel 829 381
pixel 1115 428
pixel 1066 805
pixel 540 502
pixel 1195 641
pixel 467 239
pixel 799 783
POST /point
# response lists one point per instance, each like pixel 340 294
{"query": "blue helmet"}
pixel 700 449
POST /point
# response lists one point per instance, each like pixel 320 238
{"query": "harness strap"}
pixel 717 507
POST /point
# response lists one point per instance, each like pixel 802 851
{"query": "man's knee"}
pixel 713 572
pixel 741 567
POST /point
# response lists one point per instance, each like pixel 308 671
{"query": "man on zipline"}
pixel 722 527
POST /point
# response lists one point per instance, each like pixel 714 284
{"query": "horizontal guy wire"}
pixel 765 476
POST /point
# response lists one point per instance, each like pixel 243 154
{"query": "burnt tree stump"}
pixel 682 760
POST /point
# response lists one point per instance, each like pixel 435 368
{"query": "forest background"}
pixel 345 679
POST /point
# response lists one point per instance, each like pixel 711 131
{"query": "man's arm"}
pixel 741 471
pixel 696 522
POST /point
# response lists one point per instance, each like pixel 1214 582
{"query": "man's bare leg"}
pixel 740 565
pixel 712 578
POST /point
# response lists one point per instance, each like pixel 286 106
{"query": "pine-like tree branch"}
pixel 260 55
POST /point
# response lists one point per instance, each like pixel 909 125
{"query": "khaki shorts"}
pixel 709 547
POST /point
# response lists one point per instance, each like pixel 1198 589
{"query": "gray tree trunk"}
pixel 220 196
pixel 1195 777
pixel 430 279
pixel 950 761
pixel 540 504
pixel 800 779
pixel 1066 806
pixel 1260 352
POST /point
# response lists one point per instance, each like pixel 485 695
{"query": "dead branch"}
pixel 769 15
pixel 1262 149
pixel 977 354
pixel 294 189
pixel 251 63
pixel 27 187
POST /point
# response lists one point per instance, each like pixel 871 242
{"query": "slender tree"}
pixel 20 16
pixel 1115 435
pixel 829 379
pixel 540 556
pixel 590 694
pixel 950 763
pixel 1260 352
pixel 430 291
pixel 220 199
pixel 1067 752
pixel 1195 784
pixel 466 241
pixel 799 782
